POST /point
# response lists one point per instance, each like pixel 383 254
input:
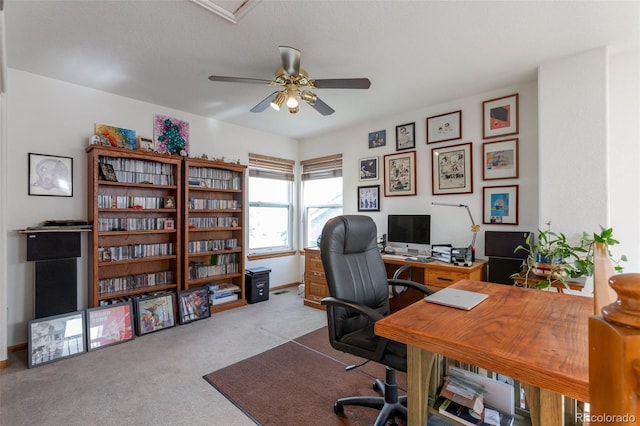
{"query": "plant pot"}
pixel 550 267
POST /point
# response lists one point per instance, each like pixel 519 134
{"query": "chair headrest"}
pixel 350 234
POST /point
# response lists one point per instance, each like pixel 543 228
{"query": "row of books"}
pixel 135 251
pixel 212 245
pixel 213 222
pixel 131 282
pixel 139 166
pixel 107 201
pixel 223 293
pixel 202 204
pixel 221 264
pixel 212 173
pixel 133 224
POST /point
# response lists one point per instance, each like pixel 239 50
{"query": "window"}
pixel 270 205
pixel 322 194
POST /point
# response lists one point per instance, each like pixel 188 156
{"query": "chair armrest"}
pixel 411 284
pixel 361 309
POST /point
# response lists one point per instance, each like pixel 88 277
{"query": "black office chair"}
pixel 359 296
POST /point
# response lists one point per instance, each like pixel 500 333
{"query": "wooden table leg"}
pixel 545 406
pixel 419 368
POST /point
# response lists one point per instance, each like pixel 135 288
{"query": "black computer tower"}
pixel 257 284
pixel 503 260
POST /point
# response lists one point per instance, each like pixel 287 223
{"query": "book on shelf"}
pixel 228 298
pixel 469 417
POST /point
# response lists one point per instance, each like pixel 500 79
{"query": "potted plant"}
pixel 547 256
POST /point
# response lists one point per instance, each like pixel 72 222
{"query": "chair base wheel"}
pixel 338 409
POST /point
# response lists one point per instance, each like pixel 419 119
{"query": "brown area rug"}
pixel 298 382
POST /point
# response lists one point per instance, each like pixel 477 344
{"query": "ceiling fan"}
pixel 294 82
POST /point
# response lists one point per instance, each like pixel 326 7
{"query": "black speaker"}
pixel 56 287
pixel 503 244
pixel 53 245
pixel 500 269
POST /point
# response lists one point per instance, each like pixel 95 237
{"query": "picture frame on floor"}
pixel 155 313
pixel 109 325
pixel 55 337
pixel 193 305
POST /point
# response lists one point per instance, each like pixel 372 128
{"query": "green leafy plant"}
pixel 582 265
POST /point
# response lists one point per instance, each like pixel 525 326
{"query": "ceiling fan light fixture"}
pixel 292 100
pixel 277 102
pixel 308 97
pixel 294 110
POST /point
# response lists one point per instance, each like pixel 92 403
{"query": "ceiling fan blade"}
pixel 290 60
pixel 264 103
pixel 342 83
pixel 238 79
pixel 321 107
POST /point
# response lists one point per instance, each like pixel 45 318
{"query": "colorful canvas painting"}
pixel 117 136
pixel 171 135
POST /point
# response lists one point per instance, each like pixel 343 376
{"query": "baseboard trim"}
pixel 280 287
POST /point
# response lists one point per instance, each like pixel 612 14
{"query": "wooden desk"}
pixel 531 280
pixel 537 337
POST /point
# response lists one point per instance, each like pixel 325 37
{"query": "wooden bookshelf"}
pixel 136 242
pixel 213 206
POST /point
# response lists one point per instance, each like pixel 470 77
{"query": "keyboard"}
pixel 420 259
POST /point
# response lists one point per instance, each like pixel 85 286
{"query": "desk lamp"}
pixel 474 227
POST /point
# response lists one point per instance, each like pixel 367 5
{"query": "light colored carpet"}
pixel 156 379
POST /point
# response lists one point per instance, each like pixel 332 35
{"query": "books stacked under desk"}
pixel 464 396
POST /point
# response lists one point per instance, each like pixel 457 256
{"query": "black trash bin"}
pixel 257 284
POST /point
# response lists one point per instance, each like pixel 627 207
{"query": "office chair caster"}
pixel 338 409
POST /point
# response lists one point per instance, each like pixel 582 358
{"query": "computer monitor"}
pixel 409 229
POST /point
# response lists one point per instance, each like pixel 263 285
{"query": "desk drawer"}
pixel 441 278
pixel 316 290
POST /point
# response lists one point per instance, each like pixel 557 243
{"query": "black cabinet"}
pixel 503 262
pixel 257 284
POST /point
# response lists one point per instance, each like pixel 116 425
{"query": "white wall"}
pixel 448 224
pixel 52 117
pixel 589 146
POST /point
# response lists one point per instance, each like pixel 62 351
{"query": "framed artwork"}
pixel 146 144
pixel 109 325
pixel 193 305
pixel 369 168
pixel 500 117
pixel 500 205
pixel 56 337
pixel 106 172
pixel 377 138
pixel 155 313
pixel 400 174
pixel 369 198
pixel 406 136
pixel 444 127
pixel 50 175
pixel 170 134
pixel 452 170
pixel 500 159
pixel 117 136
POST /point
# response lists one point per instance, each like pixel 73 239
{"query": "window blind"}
pixel 322 167
pixel 263 166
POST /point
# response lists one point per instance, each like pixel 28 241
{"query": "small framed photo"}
pixel 146 144
pixel 377 138
pixel 169 224
pixel 56 337
pixel 193 305
pixel 500 159
pixel 107 172
pixel 444 127
pixel 400 174
pixel 500 205
pixel 368 168
pixel 369 198
pixel 406 136
pixel 50 175
pixel 154 313
pixel 169 202
pixel 452 170
pixel 500 117
pixel 109 325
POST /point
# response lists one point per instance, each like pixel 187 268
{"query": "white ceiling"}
pixel 416 53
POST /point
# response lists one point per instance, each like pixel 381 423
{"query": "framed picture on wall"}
pixel 400 174
pixel 56 337
pixel 500 205
pixel 50 175
pixel 368 168
pixel 444 127
pixel 406 136
pixel 369 198
pixel 500 117
pixel 500 159
pixel 452 170
pixel 377 138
